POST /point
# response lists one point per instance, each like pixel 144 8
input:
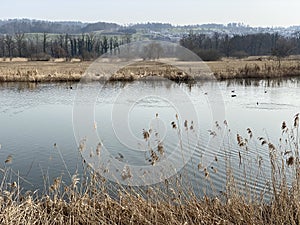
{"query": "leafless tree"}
pixel 9 42
pixel 20 43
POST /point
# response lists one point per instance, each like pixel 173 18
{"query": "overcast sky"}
pixel 250 12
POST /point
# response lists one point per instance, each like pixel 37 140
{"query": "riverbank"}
pixel 60 71
pixel 256 67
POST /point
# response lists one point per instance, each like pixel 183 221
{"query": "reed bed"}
pixel 28 71
pixel 259 67
pixel 87 199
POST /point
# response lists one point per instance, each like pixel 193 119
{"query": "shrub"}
pixel 239 54
pixel 208 55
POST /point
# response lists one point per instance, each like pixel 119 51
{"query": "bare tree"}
pixel 2 46
pixel 283 48
pixel 45 37
pixel 152 51
pixel 9 42
pixel 19 43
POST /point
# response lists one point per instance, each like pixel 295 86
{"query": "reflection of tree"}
pixel 152 51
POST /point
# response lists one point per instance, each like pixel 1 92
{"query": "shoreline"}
pixel 72 71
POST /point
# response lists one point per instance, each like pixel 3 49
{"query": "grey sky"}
pixel 252 12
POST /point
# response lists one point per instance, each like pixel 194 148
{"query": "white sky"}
pixel 251 12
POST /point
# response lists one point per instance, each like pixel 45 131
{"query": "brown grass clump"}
pixel 91 202
pixel 255 68
pixel 146 69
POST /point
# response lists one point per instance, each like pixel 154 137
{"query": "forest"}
pixel 88 46
pixel 213 47
pixel 42 47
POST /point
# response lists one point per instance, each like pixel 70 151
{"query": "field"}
pixel 59 70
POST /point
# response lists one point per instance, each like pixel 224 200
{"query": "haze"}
pixel 254 12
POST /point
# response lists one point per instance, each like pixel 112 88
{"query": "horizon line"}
pixel 160 22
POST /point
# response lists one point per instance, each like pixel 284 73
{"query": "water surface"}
pixel 36 126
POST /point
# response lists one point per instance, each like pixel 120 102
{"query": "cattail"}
pixel 296 120
pixel 206 173
pixel 212 133
pixel 240 140
pixel 216 158
pixel 126 173
pixel 287 152
pixel 249 132
pixel 154 157
pixel 217 125
pixel 271 147
pixel 186 124
pixel 56 184
pixel 283 126
pixel 8 159
pixel 225 123
pixel 160 148
pixel 75 180
pixel 13 185
pixel 173 125
pixel 200 166
pixel 98 149
pixel 290 161
pixel 192 125
pixel 263 142
pixel 146 135
pixel 81 146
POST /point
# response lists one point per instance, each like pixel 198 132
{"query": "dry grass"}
pixel 41 71
pixel 258 67
pixel 146 69
pixel 87 199
pixel 53 71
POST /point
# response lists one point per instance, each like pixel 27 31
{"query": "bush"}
pixel 208 55
pixel 40 57
pixel 239 54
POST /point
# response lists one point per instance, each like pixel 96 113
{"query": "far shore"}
pixel 60 70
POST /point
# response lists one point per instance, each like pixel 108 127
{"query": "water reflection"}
pixel 277 82
pixel 34 116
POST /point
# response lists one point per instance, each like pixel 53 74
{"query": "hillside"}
pixel 12 26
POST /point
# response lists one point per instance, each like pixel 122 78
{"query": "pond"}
pixel 148 126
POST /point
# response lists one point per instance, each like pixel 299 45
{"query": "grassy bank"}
pixel 255 67
pixel 86 200
pixel 28 71
pixel 54 71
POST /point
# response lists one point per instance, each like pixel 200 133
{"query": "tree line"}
pixel 212 47
pixel 45 46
